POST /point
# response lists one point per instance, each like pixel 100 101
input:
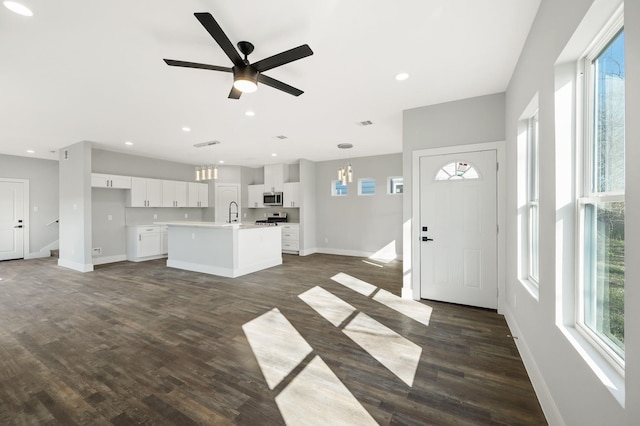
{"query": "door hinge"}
pixel 497 167
pixel 497 229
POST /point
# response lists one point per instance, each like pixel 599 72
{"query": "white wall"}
pixel 570 391
pixel 43 196
pixel 358 225
pixel 75 207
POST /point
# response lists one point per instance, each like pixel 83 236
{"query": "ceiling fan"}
pixel 246 75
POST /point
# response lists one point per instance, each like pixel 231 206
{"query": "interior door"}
pixel 226 193
pixel 458 228
pixel 11 220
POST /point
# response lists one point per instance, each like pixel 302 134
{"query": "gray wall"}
pixel 569 388
pixel 358 225
pixel 43 196
pixel 308 215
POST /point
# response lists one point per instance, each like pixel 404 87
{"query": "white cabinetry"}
pixel 174 193
pixel 146 242
pixel 291 194
pixel 198 195
pixel 254 195
pixel 274 177
pixel 144 193
pixel 99 180
pixel 290 237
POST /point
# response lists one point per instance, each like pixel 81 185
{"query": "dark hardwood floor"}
pixel 140 343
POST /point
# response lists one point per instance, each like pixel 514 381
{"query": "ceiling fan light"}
pixel 245 85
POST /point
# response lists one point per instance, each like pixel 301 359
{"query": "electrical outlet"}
pixel 326 240
pixel 109 217
pixel 155 216
pixel 186 216
pixel 193 236
pixel 35 209
pixel 96 251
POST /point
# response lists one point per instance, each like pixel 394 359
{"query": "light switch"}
pixel 109 217
pixel 155 216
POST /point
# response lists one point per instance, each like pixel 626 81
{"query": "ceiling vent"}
pixel 209 143
pixel 281 137
pixel 365 123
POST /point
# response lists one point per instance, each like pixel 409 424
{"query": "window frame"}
pixel 392 183
pixel 585 195
pixel 533 199
pixel 334 190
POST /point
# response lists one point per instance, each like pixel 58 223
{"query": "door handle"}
pixel 427 239
pixel 18 226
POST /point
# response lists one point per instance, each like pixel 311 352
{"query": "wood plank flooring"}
pixel 140 343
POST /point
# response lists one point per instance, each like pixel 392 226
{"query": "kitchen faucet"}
pixel 236 213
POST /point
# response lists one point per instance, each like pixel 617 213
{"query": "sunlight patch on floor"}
pixel 411 308
pixel 354 284
pixel 386 254
pixel 277 345
pixel 330 307
pixel 317 397
pixel 398 354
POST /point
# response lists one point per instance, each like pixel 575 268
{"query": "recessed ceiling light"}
pixel 128 143
pixel 402 76
pixel 30 151
pixel 18 8
pixel 250 113
pixel 274 155
pixel 186 129
pixel 221 161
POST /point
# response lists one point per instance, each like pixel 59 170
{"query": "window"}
pixel 366 186
pixel 458 170
pixel 338 189
pixel 395 185
pixel 602 197
pixel 532 199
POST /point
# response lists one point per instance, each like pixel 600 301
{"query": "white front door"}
pixel 458 228
pixel 12 224
pixel 226 193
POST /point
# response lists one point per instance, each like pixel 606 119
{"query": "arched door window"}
pixel 458 170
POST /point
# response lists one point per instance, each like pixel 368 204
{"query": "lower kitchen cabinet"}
pixel 146 242
pixel 290 237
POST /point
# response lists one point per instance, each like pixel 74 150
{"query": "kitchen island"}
pixel 228 250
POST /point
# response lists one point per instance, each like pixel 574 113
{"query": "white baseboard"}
pixel 343 252
pixel 547 403
pixel 37 255
pixel 109 259
pixel 80 267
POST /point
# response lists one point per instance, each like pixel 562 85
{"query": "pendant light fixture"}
pixel 208 171
pixel 345 173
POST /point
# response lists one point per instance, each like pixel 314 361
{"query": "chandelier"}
pixel 207 171
pixel 345 173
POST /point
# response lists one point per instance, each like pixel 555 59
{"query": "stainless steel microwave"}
pixel 272 198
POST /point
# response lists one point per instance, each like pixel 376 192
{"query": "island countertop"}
pixel 234 225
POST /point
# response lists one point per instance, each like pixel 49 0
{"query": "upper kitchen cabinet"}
pixel 291 194
pixel 198 195
pixel 274 177
pixel 144 193
pixel 254 196
pixel 174 193
pixel 99 180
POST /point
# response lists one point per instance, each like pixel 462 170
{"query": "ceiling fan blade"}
pixel 283 58
pixel 220 37
pixel 185 64
pixel 277 84
pixel 234 93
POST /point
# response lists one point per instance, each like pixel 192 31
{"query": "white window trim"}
pixel 389 180
pixel 530 202
pixel 334 193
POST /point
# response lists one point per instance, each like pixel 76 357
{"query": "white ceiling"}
pixel 92 70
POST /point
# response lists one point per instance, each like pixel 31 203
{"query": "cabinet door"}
pixel 137 196
pixel 149 242
pixel 273 177
pixel 154 193
pixel 254 196
pixel 168 193
pixel 193 194
pixel 291 194
pixel 181 194
pixel 120 182
pixel 164 240
pixel 99 180
pixel 203 194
